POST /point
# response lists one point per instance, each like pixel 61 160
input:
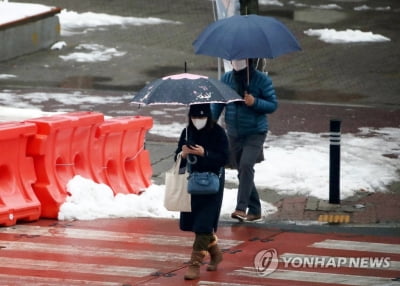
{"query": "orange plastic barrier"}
pixel 60 150
pixel 119 159
pixel 39 157
pixel 17 198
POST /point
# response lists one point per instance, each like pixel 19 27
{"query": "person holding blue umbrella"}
pixel 241 38
pixel 247 127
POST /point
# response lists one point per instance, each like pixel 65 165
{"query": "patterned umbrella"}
pixel 185 89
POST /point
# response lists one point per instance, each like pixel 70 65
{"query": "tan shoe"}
pixel 240 215
pixel 215 254
pixel 193 271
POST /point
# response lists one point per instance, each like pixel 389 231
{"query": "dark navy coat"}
pixel 205 208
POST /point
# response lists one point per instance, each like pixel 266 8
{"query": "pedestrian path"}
pixel 145 251
pixel 363 255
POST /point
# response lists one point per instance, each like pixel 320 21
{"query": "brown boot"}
pixel 216 255
pixel 193 271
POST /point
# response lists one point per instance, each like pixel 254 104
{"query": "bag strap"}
pixel 219 173
pixel 177 163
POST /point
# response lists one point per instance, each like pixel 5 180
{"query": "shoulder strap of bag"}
pixel 177 163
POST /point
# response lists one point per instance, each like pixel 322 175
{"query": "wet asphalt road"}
pixel 359 73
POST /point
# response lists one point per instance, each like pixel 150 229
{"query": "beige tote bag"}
pixel 176 196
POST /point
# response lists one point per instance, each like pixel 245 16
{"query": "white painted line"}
pixel 318 277
pixel 130 237
pixel 358 246
pixel 90 251
pixel 353 262
pixel 98 269
pixel 210 283
pixel 40 281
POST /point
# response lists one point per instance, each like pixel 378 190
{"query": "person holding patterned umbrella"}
pixel 204 146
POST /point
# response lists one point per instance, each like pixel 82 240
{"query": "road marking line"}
pixel 394 265
pixel 98 269
pixel 90 251
pixel 109 235
pixel 358 246
pixel 48 281
pixel 210 283
pixel 318 277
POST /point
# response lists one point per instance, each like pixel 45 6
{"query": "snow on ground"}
pixel 73 23
pixel 346 36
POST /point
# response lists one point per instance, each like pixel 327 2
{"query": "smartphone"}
pixel 190 144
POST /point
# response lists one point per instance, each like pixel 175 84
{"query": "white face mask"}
pixel 239 64
pixel 199 123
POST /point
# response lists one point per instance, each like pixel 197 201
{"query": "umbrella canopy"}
pixel 185 89
pixel 246 36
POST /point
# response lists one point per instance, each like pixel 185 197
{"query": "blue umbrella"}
pixel 246 36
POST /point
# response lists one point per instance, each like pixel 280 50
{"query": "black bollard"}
pixel 334 162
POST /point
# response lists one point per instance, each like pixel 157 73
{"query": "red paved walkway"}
pixel 154 252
